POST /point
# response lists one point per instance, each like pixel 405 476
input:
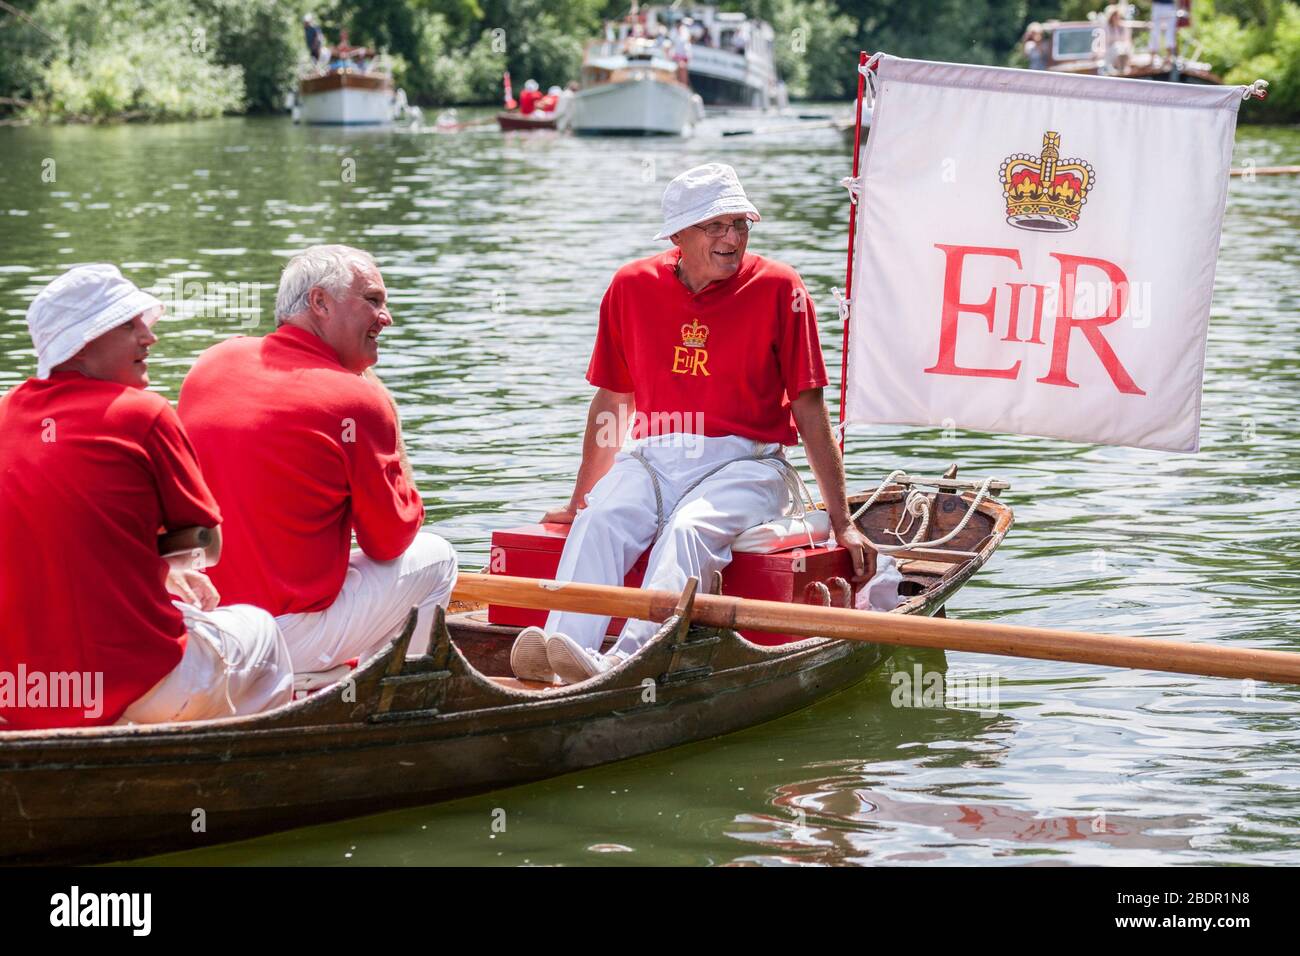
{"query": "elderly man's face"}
pixel 351 323
pixel 119 355
pixel 709 259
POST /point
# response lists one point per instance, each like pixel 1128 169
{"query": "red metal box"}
pixel 799 576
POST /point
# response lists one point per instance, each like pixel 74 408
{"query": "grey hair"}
pixel 331 268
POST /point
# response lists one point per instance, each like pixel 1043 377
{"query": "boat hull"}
pixel 636 107
pixel 237 787
pixel 511 121
pixel 346 99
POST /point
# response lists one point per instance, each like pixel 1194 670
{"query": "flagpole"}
pixel 853 225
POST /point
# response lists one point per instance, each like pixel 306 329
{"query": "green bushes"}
pixel 1265 45
pixel 118 59
pixel 163 59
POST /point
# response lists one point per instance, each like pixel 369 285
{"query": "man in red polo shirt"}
pixel 92 466
pixel 711 354
pixel 302 447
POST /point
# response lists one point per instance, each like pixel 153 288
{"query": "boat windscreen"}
pixel 1075 44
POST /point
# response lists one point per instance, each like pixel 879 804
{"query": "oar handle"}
pixel 909 630
pixel 184 540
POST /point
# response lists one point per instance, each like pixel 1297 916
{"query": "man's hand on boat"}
pixel 193 587
pixel 564 515
pixel 855 543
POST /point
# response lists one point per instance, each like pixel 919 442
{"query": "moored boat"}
pixel 1079 46
pixel 401 732
pixel 346 98
pixel 732 61
pixel 629 87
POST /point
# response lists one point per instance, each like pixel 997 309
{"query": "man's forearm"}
pixel 606 421
pixel 814 422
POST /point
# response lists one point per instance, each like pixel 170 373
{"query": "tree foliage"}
pixel 172 58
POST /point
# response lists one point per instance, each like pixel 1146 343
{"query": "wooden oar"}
pixel 1265 171
pixel 789 128
pixel 904 629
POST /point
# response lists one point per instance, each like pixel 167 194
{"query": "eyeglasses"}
pixel 716 230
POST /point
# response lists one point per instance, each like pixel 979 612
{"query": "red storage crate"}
pixel 533 551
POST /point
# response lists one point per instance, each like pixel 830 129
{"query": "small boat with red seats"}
pixel 401 731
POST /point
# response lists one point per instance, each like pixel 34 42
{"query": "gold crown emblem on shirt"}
pixel 1045 193
pixel 695 335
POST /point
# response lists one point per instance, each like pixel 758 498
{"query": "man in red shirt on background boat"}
pixel 529 98
pixel 303 448
pixel 92 466
pixel 712 354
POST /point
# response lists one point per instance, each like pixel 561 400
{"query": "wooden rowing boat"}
pixel 513 121
pixel 454 722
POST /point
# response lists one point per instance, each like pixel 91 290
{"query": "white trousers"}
pixel 618 523
pixel 235 663
pixel 372 606
pixel 1164 24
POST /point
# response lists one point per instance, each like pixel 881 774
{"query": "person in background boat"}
pixel 345 55
pixel 313 36
pixel 1036 47
pixel 1119 41
pixel 528 98
pixel 682 48
pixel 93 465
pixel 1164 27
pixel 302 446
pixel 551 101
pixel 711 353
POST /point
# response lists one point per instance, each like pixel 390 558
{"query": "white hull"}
pixel 636 106
pixel 348 107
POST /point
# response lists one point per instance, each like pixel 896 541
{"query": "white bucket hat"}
pixel 702 193
pixel 80 306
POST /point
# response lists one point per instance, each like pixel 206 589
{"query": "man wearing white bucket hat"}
pixel 712 355
pixel 93 467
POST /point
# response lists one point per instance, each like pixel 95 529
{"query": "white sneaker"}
pixel 528 656
pixel 572 662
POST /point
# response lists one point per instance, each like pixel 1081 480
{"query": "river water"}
pixel 496 250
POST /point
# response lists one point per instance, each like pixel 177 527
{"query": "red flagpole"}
pixel 853 225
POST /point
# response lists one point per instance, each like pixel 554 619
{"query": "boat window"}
pixel 1076 44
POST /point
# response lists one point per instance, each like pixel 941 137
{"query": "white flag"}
pixel 1035 252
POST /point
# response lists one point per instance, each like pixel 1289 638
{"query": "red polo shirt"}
pixel 736 352
pixel 90 471
pixel 300 453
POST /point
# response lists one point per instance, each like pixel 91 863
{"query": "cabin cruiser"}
pixel 351 91
pixel 731 61
pixel 631 86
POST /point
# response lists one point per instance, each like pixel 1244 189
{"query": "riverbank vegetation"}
pixel 92 60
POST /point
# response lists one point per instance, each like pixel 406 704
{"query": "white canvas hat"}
pixel 702 193
pixel 80 306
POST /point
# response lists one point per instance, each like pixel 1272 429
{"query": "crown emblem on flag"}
pixel 695 335
pixel 1045 193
